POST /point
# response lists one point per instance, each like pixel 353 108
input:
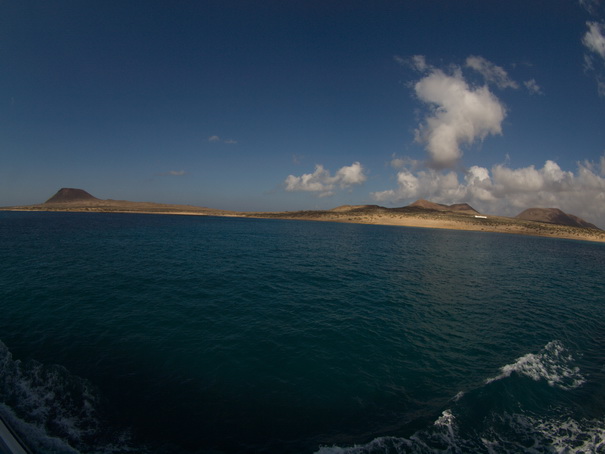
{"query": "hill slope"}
pixel 427 205
pixel 554 216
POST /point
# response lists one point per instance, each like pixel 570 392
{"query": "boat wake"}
pixel 502 417
pixel 54 411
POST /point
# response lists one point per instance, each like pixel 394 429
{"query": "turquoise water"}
pixel 160 334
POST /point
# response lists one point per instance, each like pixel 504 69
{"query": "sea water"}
pixel 174 334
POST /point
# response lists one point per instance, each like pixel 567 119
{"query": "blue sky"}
pixel 274 105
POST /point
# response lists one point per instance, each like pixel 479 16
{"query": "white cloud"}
pixel 398 163
pixel 350 175
pixel 594 39
pixel 508 191
pixel 492 73
pixel 214 139
pixel 426 184
pixel 322 182
pixel 533 87
pixel 460 115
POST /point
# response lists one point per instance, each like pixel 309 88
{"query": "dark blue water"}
pixel 159 334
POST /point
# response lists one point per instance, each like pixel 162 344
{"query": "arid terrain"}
pixel 547 222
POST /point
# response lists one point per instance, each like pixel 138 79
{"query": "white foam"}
pixel 584 436
pixel 34 434
pixel 56 411
pixel 458 396
pixel 381 444
pixel 553 364
pixel 556 435
pixel 446 419
pixel 509 434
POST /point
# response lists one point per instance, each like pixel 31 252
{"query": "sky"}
pixel 290 105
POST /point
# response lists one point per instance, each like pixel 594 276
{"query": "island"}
pixel 546 222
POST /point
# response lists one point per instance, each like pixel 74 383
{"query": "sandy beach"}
pixel 445 220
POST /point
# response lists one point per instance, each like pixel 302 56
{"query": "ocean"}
pixel 132 333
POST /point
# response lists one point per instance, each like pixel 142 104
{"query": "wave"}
pixel 506 434
pixel 479 422
pixel 53 410
pixel 553 364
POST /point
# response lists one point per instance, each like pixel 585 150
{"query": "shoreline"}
pixel 493 224
pixel 428 219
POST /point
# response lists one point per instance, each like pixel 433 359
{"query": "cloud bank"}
pixel 323 183
pixel 459 114
pixel 506 191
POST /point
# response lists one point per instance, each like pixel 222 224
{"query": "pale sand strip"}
pixel 495 224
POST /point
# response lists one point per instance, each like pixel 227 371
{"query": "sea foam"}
pixel 504 434
pixel 53 410
pixel 553 364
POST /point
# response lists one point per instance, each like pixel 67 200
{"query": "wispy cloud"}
pixel 297 158
pixel 505 190
pixel 533 87
pixel 173 173
pixel 323 183
pixel 458 114
pixel 217 139
pixel 416 62
pixel 594 42
pixel 492 73
pixel 591 6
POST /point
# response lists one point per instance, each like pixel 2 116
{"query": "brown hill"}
pixel 71 199
pixel 554 216
pixel 427 205
pixel 71 195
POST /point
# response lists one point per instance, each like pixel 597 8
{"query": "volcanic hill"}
pixel 70 195
pixel 72 199
pixel 554 216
